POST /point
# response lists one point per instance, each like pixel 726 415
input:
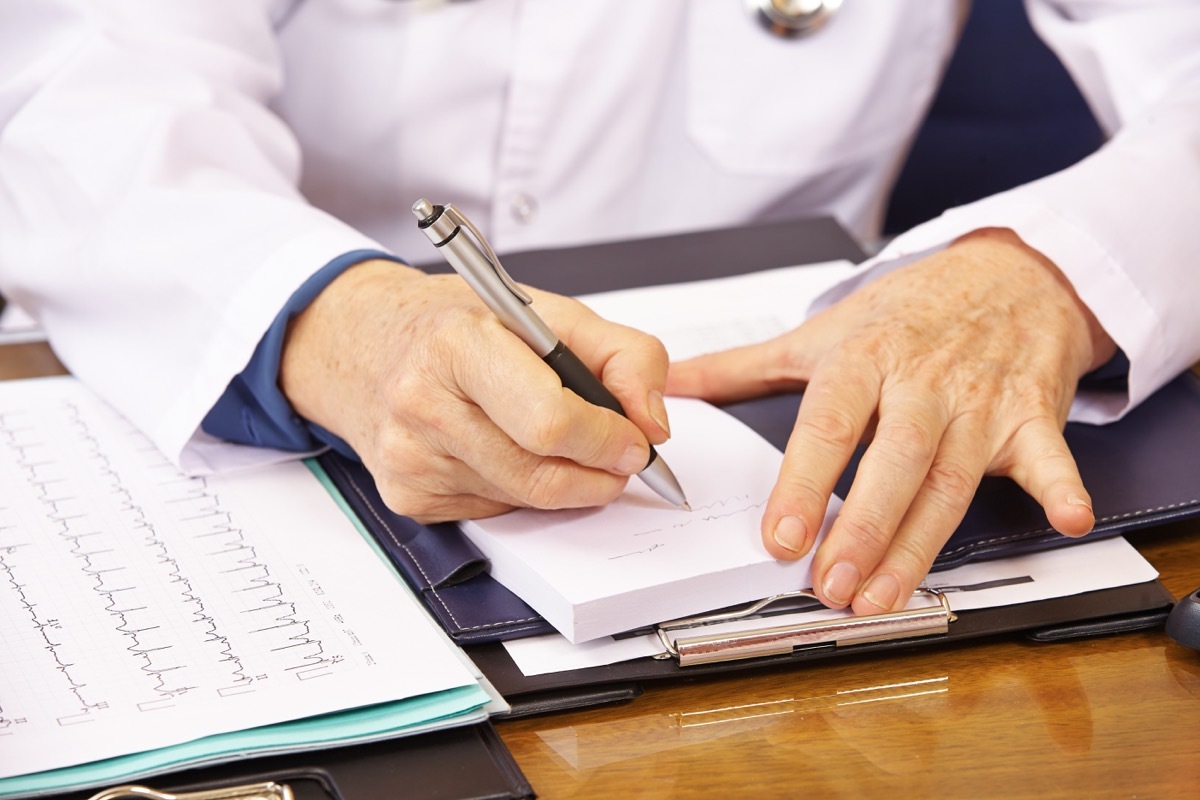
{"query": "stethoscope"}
pixel 793 18
pixel 786 18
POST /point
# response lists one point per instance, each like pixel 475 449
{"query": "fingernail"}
pixel 1076 500
pixel 841 582
pixel 658 410
pixel 882 591
pixel 791 534
pixel 632 460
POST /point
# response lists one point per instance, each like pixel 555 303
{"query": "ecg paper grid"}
pixel 141 608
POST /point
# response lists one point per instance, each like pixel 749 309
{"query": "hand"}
pixel 456 417
pixel 963 363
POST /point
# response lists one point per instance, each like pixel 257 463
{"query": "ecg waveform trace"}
pixel 131 585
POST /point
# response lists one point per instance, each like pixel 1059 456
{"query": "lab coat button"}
pixel 524 208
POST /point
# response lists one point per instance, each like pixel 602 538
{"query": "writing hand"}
pixel 454 416
pixel 962 364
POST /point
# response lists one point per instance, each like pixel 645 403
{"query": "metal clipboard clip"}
pixel 783 639
pixel 268 790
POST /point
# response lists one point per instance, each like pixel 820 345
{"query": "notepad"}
pixel 638 561
pixel 150 620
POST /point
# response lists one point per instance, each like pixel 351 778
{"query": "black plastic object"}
pixel 1183 623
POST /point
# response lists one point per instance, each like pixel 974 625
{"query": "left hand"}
pixel 964 363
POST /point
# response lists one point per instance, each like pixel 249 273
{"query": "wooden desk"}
pixel 1115 716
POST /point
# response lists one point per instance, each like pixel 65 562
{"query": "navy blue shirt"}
pixel 253 409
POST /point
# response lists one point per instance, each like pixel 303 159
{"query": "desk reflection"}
pixel 1008 719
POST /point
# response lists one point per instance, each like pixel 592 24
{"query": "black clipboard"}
pixel 462 763
pixel 1159 444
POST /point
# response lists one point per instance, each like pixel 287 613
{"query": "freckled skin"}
pixel 961 364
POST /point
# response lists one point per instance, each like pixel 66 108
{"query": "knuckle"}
pixel 950 484
pixel 802 492
pixel 831 428
pixel 868 530
pixel 910 561
pixel 907 441
pixel 549 428
pixel 401 499
pixel 657 349
pixel 545 484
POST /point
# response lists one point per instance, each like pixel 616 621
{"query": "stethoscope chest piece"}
pixel 793 18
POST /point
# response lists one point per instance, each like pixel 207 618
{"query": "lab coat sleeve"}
pixel 253 409
pixel 1121 223
pixel 148 205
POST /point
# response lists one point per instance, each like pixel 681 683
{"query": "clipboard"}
pixel 1140 470
pixel 1109 611
pixel 462 763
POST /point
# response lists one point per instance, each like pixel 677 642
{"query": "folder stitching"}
pixel 1039 531
pixel 433 589
pixel 392 535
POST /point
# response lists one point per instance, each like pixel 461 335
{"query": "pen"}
pixel 461 243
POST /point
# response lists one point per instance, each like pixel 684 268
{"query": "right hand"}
pixel 453 415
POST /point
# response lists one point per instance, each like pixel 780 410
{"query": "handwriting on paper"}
pixel 639 560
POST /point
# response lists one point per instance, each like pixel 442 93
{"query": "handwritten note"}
pixel 141 608
pixel 596 572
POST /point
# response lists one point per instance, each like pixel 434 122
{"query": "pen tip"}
pixel 685 506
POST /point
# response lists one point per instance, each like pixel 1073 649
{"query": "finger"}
pixel 1043 466
pixel 468 467
pixel 527 401
pixel 889 478
pixel 631 364
pixel 784 363
pixel 512 474
pixel 832 415
pixel 934 515
pixel 737 374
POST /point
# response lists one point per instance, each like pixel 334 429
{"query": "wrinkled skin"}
pixel 455 416
pixel 961 364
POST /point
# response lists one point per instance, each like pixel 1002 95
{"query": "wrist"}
pixel 1098 348
pixel 316 366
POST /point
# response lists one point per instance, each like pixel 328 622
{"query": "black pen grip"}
pixel 575 376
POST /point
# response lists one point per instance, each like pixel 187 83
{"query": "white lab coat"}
pixel 171 171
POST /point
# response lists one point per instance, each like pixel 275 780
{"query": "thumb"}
pixel 736 374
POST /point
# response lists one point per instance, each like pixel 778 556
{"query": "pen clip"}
pixel 460 219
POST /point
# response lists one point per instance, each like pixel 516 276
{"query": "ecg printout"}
pixel 141 608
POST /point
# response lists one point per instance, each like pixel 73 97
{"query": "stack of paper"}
pixel 151 620
pixel 639 560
